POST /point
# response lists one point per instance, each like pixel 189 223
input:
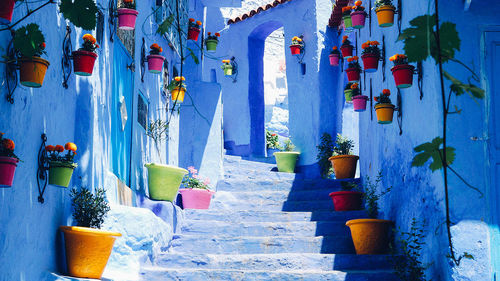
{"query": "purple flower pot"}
pixel 358 19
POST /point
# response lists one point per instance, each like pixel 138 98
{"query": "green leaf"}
pixel 432 150
pixel 459 88
pixel 195 58
pixel 165 25
pixel 27 40
pixel 82 13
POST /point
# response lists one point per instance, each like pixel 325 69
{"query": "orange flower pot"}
pixel 344 166
pixel 32 71
pixel 370 236
pixel 385 16
pixel 385 112
pixel 87 250
pixel 178 94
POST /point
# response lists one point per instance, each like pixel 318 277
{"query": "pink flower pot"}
pixel 7 169
pixel 358 19
pixel 196 198
pixel 155 63
pixel 334 59
pixel 126 18
pixel 359 103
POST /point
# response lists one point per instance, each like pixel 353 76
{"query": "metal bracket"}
pixel 302 50
pixel 399 108
pixel 143 59
pixel 384 60
pixel 420 83
pixel 400 15
pixel 42 177
pixel 370 17
pixel 111 19
pixel 371 100
pixel 67 47
pixel 234 64
pixel 10 73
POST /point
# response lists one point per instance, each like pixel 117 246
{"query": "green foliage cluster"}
pixel 343 146
pixel 372 196
pixel 89 210
pixel 380 3
pixel 288 146
pixel 82 13
pixel 325 151
pixel 349 186
pixel 272 141
pixel 157 130
pixel 29 41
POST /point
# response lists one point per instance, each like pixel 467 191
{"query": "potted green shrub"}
pixel 343 162
pixel 8 161
pixel 61 165
pixel 348 92
pixel 196 193
pixel 212 41
pixel 272 142
pixel 349 199
pixel 384 107
pixel 287 158
pixel 87 247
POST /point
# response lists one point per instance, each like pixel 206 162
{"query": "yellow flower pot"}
pixel 385 15
pixel 385 112
pixel 370 236
pixel 178 94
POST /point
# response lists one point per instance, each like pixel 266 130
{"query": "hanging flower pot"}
pixel 6 10
pixel 127 18
pixel 178 94
pixel 32 71
pixel 358 15
pixel 346 17
pixel 343 162
pixel 354 69
pixel 359 103
pixel 295 49
pixel 297 46
pixel 385 15
pixel 286 161
pixel 334 56
pixel 402 71
pixel 155 60
pixel 347 200
pixel 212 42
pixel 196 198
pixel 84 58
pixel 177 89
pixel 29 42
pixel 164 181
pixel 8 161
pixel 384 107
pixel 227 67
pixel 61 166
pixel 370 56
pixel 194 29
pixel 348 96
pixel 346 47
pixel 370 236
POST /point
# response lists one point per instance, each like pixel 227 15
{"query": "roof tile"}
pixel 260 9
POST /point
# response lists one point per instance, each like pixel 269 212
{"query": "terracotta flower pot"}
pixel 178 94
pixel 348 96
pixel 359 103
pixel 295 49
pixel 7 170
pixel 155 63
pixel 344 166
pixel 196 198
pixel 60 173
pixel 87 250
pixel 370 236
pixel 346 51
pixel 347 21
pixel 370 62
pixel 286 161
pixel 358 19
pixel 385 16
pixel 347 200
pixel 385 113
pixel 32 71
pixel 211 45
pixel 6 10
pixel 83 62
pixel 353 74
pixel 334 59
pixel 193 33
pixel 127 18
pixel 403 75
pixel 164 181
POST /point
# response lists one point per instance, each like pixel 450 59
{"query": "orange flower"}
pixel 191 20
pixel 358 3
pixel 50 148
pixel 393 58
pixel 179 78
pixel 375 98
pixel 217 34
pixel 334 48
pixel 364 45
pixel 386 92
pixel 89 38
pixel 8 144
pixel 155 46
pixel 354 86
pixel 59 148
pixel 70 146
pixel 355 58
pixel 198 22
pixel 374 43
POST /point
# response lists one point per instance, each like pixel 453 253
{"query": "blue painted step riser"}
pixel 244 174
pixel 278 185
pixel 281 196
pixel 268 205
pixel 266 216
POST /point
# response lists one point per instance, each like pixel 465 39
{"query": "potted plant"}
pixel 348 199
pixel 61 166
pixel 177 88
pixel 29 42
pixel 272 143
pixel 371 236
pixel 84 58
pixel 334 56
pixel 353 70
pixel 286 159
pixel 212 42
pixel 194 29
pixel 402 71
pixel 325 150
pixel 196 193
pixel 384 107
pixel 348 92
pixel 127 15
pixel 370 55
pixel 87 247
pixel 8 161
pixel 358 100
pixel 155 60
pixel 6 10
pixel 343 162
pixel 346 47
pixel 358 15
pixel 296 46
pixel 227 67
pixel 385 12
pixel 346 17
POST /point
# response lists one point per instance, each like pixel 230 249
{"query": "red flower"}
pixel 386 92
pixel 43 45
pixel 8 144
pixel 375 98
pixel 59 148
pixel 50 148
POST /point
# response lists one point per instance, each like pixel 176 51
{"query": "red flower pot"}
pixel 358 19
pixel 346 51
pixel 347 200
pixel 359 103
pixel 334 59
pixel 295 49
pixel 127 18
pixel 196 198
pixel 370 62
pixel 7 169
pixel 83 62
pixel 193 33
pixel 353 74
pixel 6 10
pixel 403 75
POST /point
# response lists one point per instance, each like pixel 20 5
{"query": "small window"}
pixel 142 111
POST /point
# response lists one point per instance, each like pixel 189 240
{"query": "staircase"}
pixel 265 225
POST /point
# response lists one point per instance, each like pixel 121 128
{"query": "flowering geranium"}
pixel 272 140
pixel 193 180
pixel 356 91
pixel 383 97
pixel 129 4
pixel 7 147
pixel 226 64
pixel 348 86
pixel 399 59
pixel 297 41
pixel 155 49
pixel 89 43
pixel 345 40
pixel 371 47
pixel 335 51
pixel 177 82
pixel 55 153
pixel 357 7
pixel 352 62
pixel 213 37
pixel 346 11
pixel 194 23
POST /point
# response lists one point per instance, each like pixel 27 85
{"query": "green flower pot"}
pixel 228 71
pixel 211 45
pixel 60 173
pixel 348 96
pixel 347 21
pixel 286 161
pixel 164 181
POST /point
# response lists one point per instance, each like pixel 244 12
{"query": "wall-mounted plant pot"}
pixel 211 45
pixel 347 21
pixel 295 49
pixel 6 10
pixel 60 173
pixel 359 103
pixel 155 63
pixel 385 15
pixel 164 181
pixel 127 18
pixel 196 198
pixel 347 200
pixel 83 62
pixel 358 19
pixel 87 250
pixel 286 161
pixel 344 166
pixel 353 74
pixel 228 71
pixel 178 94
pixel 193 33
pixel 271 151
pixel 370 62
pixel 334 59
pixel 348 96
pixel 7 170
pixel 346 51
pixel 385 113
pixel 32 71
pixel 403 75
pixel 370 236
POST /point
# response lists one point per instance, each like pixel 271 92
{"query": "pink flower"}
pixel 206 181
pixel 192 170
pixel 195 176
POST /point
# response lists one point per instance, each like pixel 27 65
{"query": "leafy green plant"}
pixel 288 145
pixel 82 13
pixel 343 146
pixel 193 180
pixel 349 186
pixel 157 130
pixel 29 41
pixel 325 151
pixel 272 141
pixel 383 97
pixel 372 196
pixel 380 3
pixel 89 210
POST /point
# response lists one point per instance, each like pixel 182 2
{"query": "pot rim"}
pixel 211 40
pixel 343 156
pixel 360 221
pixel 384 105
pixel 353 69
pixel 60 164
pixel 35 59
pixel 287 152
pixel 385 7
pixel 156 56
pixel 359 12
pixel 12 159
pixel 175 168
pixel 87 231
pixel 402 66
pixel 342 192
pixel 84 53
pixel 183 190
pixel 336 55
pixel 370 55
pixel 360 97
pixel 128 11
pixel 347 46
